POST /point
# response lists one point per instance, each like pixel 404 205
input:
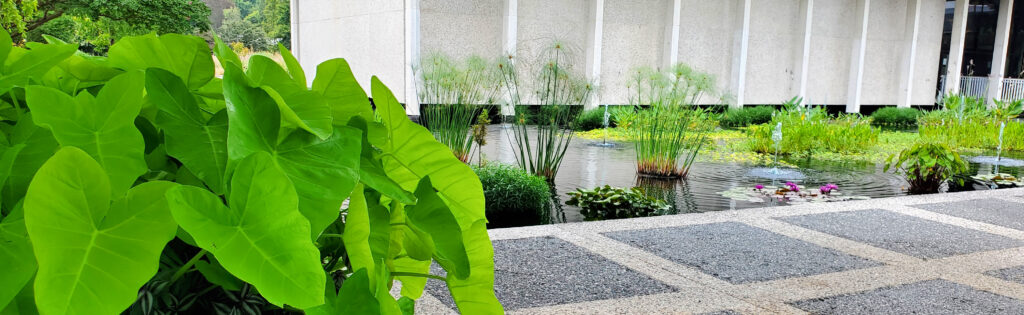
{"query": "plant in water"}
pixel 182 192
pixel 452 93
pixel 790 193
pixel 927 165
pixel 668 135
pixel 895 117
pixel 747 116
pixel 557 88
pixel 589 120
pixel 607 202
pixel 514 197
pixel 809 129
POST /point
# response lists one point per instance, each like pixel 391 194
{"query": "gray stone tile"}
pixel 926 297
pixel 723 312
pixel 739 253
pixel 544 271
pixel 993 211
pixel 1013 274
pixel 902 233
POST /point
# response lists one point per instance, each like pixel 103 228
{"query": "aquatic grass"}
pixel 895 117
pixel 452 93
pixel 557 89
pixel 975 132
pixel 809 130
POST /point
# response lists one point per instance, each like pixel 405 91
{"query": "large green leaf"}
pixel 431 215
pixel 16 258
pixel 454 180
pixel 262 238
pixel 355 297
pixel 299 106
pixel 103 126
pixel 371 171
pixel 475 294
pixel 20 65
pixel 334 80
pixel 93 255
pixel 31 146
pixel 294 68
pixel 188 57
pixel 199 143
pixel 357 234
pixel 5 46
pixel 224 53
pixel 323 171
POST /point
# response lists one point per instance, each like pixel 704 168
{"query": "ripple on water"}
pixel 991 160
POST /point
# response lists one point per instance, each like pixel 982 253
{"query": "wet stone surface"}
pixel 993 211
pixel 902 233
pixel 926 297
pixel 739 253
pixel 544 271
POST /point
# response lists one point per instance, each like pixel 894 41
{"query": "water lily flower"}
pixel 759 187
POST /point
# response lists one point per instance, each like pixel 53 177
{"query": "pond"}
pixel 587 165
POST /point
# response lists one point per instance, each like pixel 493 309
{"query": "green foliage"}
pixel 809 130
pixel 927 165
pixel 451 91
pixel 966 123
pixel 236 29
pixel 603 203
pixel 181 192
pixel 590 119
pixel 514 197
pixel 895 117
pixel 747 116
pixel 558 88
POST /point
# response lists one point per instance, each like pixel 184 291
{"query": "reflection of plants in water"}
pixel 670 190
pixel 557 216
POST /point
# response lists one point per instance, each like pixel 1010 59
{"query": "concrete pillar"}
pixel 594 41
pixel 510 26
pixel 807 12
pixel 857 57
pixel 739 65
pixel 412 55
pixel 910 34
pixel 956 47
pixel 294 19
pixel 1002 42
pixel 672 35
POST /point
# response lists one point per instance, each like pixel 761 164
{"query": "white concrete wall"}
pixel 370 35
pixel 634 35
pixel 461 28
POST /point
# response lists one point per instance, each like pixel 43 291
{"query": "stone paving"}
pixel 958 253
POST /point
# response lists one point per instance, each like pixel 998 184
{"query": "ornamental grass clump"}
pixel 514 197
pixel 927 165
pixel 556 87
pixel 452 93
pixel 669 133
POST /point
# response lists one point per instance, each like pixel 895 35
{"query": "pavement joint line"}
pixel 834 242
pixel 691 301
pixel 988 283
pixel 959 221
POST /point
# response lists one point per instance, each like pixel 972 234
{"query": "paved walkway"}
pixel 959 253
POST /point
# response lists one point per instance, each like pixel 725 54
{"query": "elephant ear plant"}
pixel 927 165
pixel 142 184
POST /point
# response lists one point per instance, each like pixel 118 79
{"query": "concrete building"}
pixel 837 52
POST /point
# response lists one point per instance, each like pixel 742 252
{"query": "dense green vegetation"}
pixel 590 119
pixel 452 92
pixel 927 165
pixel 189 193
pixel 514 197
pixel 808 130
pixel 606 202
pixel 894 117
pixel 747 116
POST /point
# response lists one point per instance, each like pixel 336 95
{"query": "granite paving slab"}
pixel 993 211
pixel 1012 274
pixel 740 253
pixel 542 271
pixel 902 233
pixel 926 297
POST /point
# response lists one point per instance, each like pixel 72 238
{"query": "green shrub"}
pixel 514 197
pixel 806 130
pixel 974 132
pixel 927 165
pixel 590 119
pixel 895 117
pixel 747 116
pixel 616 203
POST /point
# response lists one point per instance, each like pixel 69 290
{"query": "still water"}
pixel 587 165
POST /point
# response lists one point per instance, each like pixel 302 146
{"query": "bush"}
pixel 747 116
pixel 514 197
pixel 895 117
pixel 927 165
pixel 616 203
pixel 590 120
pixel 809 130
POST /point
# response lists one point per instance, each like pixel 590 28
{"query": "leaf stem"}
pixel 415 274
pixel 17 108
pixel 188 265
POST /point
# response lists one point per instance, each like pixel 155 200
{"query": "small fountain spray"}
pixel 999 149
pixel 777 140
pixel 606 122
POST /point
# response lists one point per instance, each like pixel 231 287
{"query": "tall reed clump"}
pixel 556 87
pixel 668 134
pixel 965 122
pixel 808 129
pixel 452 93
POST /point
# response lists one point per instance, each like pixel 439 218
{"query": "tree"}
pixel 20 17
pixel 236 29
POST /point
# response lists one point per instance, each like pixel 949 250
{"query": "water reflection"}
pixel 586 166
